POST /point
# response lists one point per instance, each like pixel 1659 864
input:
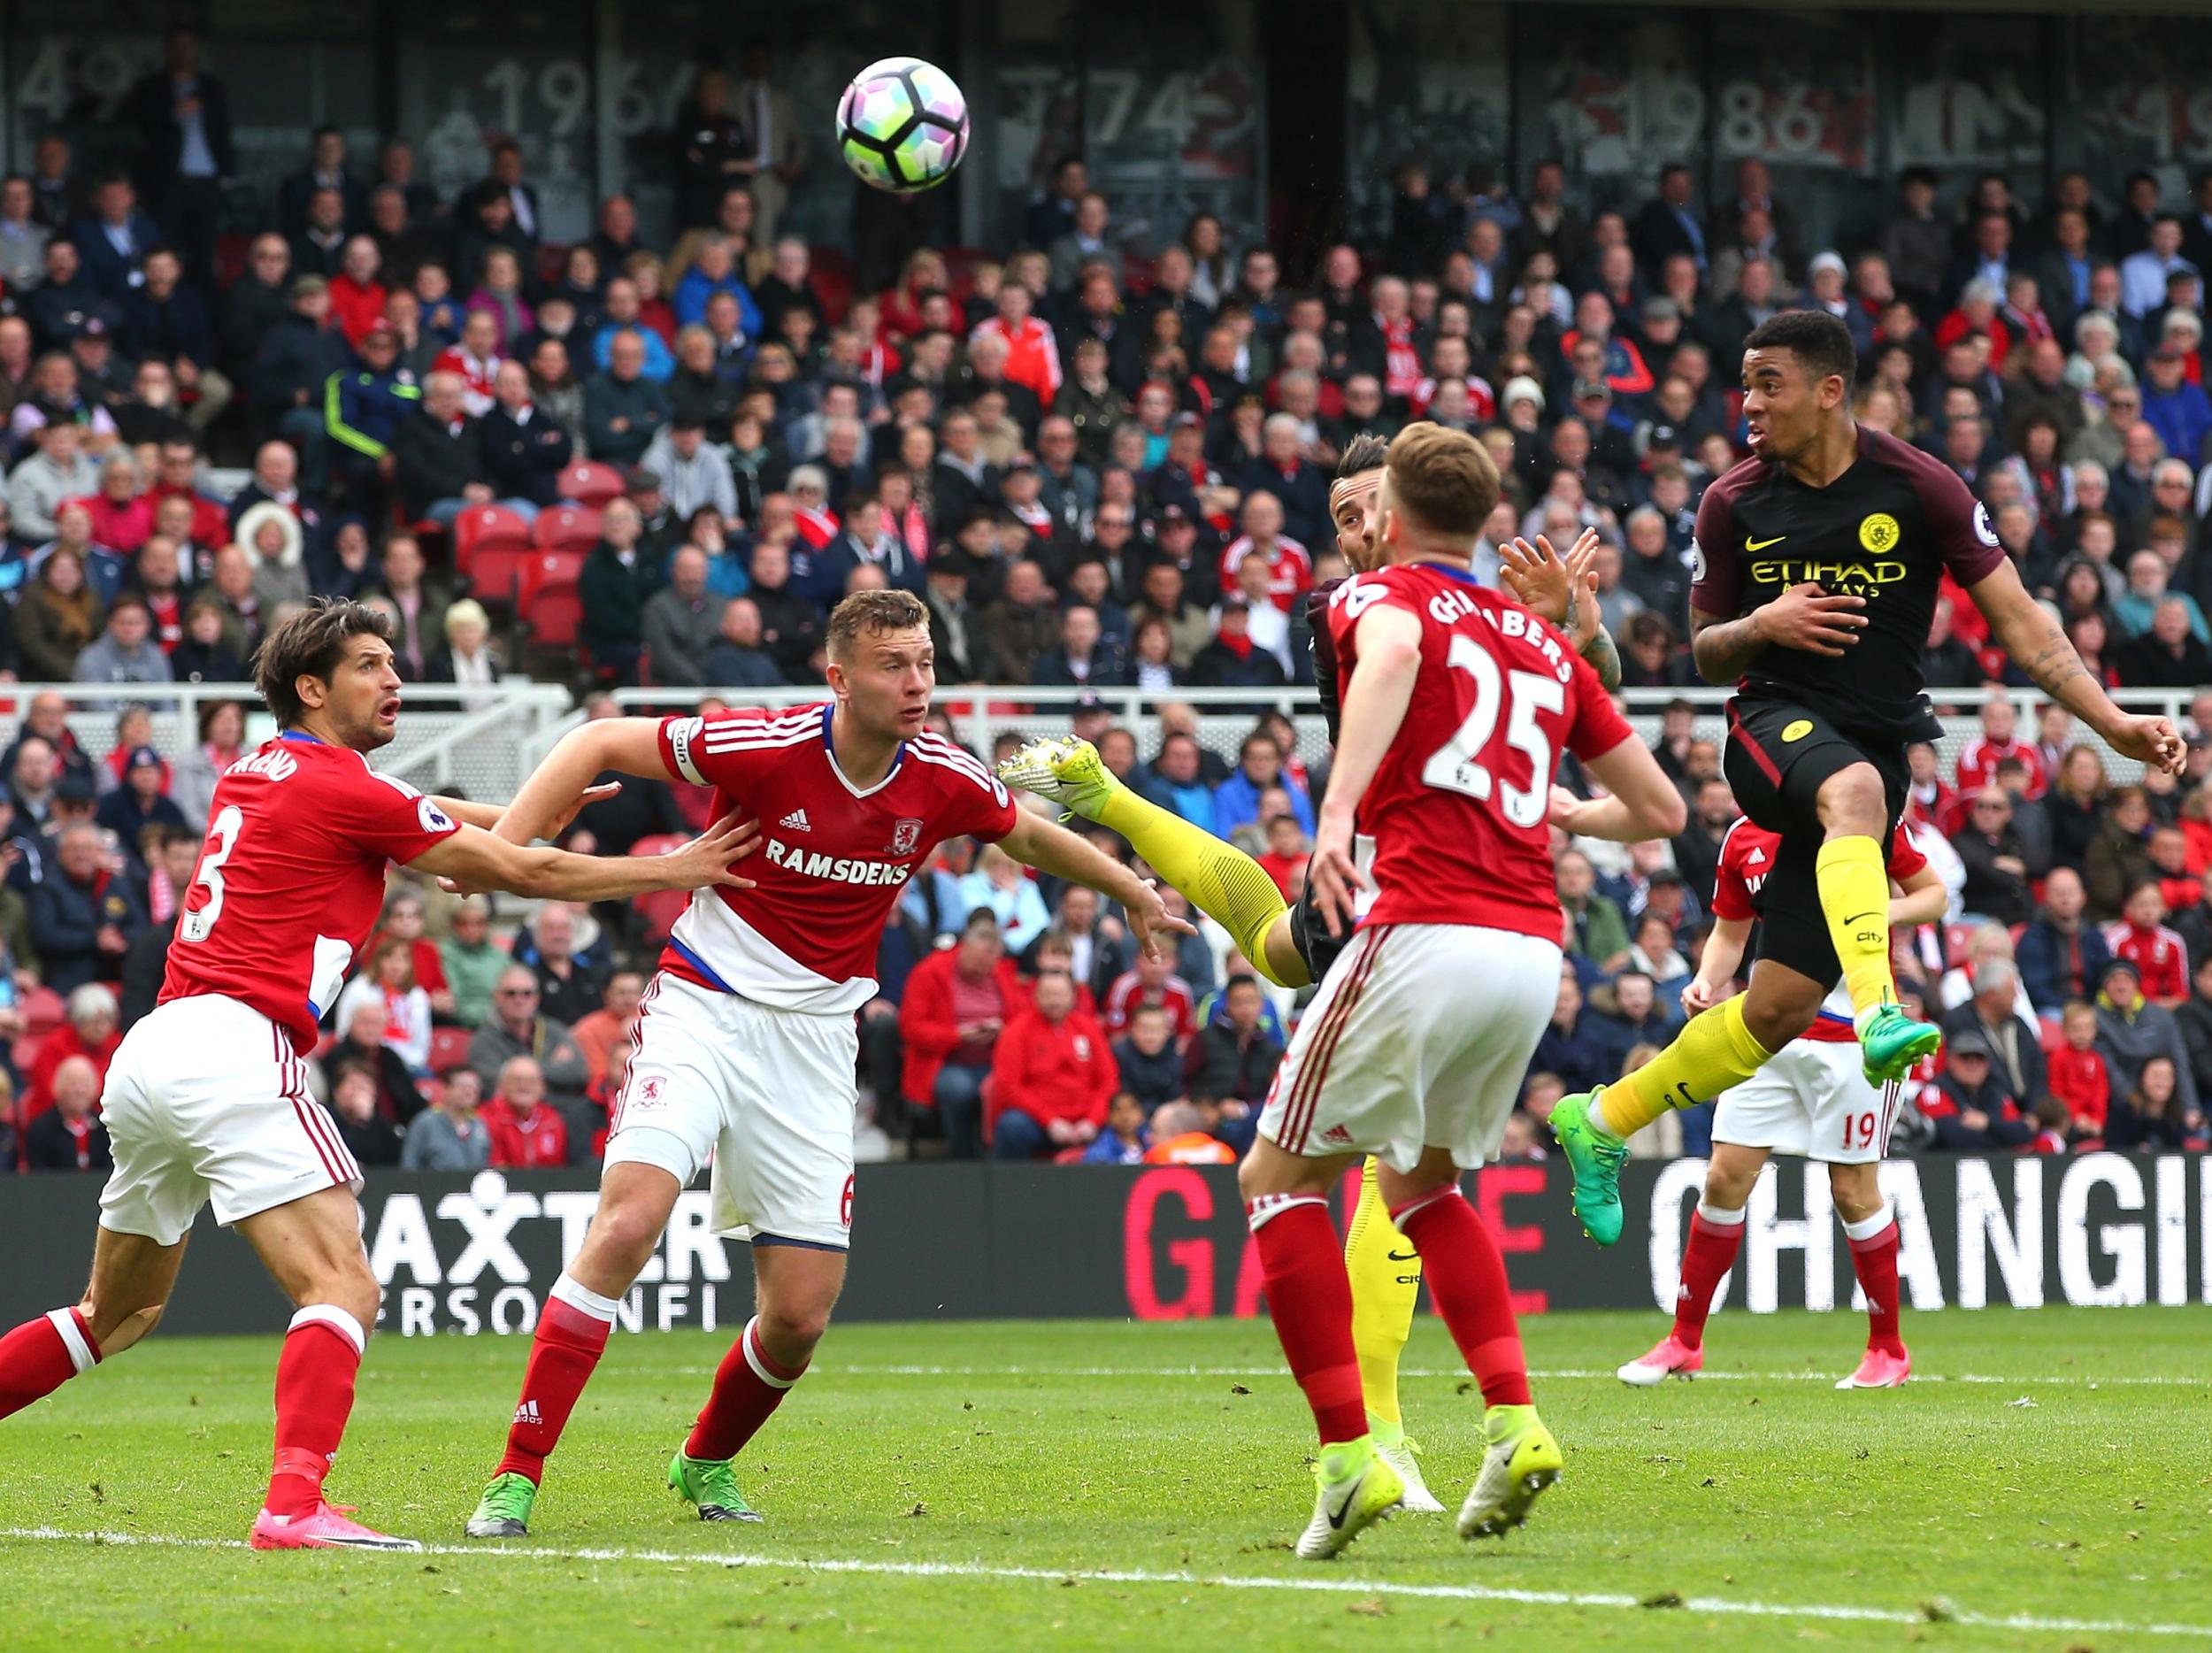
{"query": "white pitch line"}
pixel 1363 1585
pixel 1556 1374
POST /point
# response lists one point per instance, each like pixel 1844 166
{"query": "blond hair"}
pixel 1442 480
pixel 871 612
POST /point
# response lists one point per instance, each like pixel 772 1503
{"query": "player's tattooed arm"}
pixel 2034 639
pixel 1604 659
pixel 1725 649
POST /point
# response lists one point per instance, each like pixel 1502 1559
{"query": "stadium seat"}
pixel 496 572
pixel 566 528
pixel 483 527
pixel 660 909
pixel 658 843
pixel 449 1048
pixel 556 614
pixel 588 483
pixel 43 1011
pixel 1956 937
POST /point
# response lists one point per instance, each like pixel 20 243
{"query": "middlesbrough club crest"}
pixel 906 837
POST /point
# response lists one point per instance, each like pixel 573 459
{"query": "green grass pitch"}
pixel 2047 1484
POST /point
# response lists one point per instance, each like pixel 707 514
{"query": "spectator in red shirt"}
pixel 956 1002
pixel 1290 569
pixel 526 1134
pixel 2141 936
pixel 1033 352
pixel 2182 888
pixel 91 1032
pixel 1153 982
pixel 1928 800
pixel 2078 1076
pixel 1977 763
pixel 1051 1076
pixel 1285 860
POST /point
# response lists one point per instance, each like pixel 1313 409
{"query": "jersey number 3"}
pixel 222 838
pixel 1518 696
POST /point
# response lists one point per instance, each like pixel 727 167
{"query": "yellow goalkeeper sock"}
pixel 1221 881
pixel 1712 1052
pixel 1386 1273
pixel 1853 880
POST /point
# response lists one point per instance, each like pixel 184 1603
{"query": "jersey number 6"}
pixel 1456 765
pixel 222 838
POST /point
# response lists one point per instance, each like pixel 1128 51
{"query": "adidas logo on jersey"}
pixel 527 1413
pixel 1758 858
pixel 797 821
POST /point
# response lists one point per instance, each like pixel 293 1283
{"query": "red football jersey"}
pixel 291 877
pixel 1461 809
pixel 2160 957
pixel 834 857
pixel 1747 858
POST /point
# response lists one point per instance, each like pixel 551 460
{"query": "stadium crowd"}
pixel 661 464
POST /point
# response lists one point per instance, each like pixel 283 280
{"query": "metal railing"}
pixel 484 740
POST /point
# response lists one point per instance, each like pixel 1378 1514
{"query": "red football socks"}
pixel 1874 1259
pixel 314 1397
pixel 572 1335
pixel 749 1385
pixel 40 1356
pixel 1466 1278
pixel 1310 1297
pixel 1709 1255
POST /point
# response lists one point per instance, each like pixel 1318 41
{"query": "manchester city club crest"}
pixel 905 836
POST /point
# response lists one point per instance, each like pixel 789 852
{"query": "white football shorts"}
pixel 767 1097
pixel 207 1103
pixel 1419 1037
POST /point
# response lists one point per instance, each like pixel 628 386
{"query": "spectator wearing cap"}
pixel 1234 660
pixel 2178 411
pixel 2132 1032
pixel 694 473
pixel 292 365
pixel 138 803
pixel 1969 1106
pixel 1825 281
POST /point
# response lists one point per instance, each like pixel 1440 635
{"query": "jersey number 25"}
pixel 1518 696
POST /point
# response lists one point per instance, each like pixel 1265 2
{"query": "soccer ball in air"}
pixel 902 125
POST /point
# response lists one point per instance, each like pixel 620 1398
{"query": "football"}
pixel 902 125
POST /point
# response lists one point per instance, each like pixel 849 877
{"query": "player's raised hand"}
pixel 2153 740
pixel 1537 578
pixel 1584 620
pixel 707 859
pixel 587 796
pixel 1149 920
pixel 1806 618
pixel 1334 877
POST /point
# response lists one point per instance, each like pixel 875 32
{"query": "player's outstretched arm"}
pixel 1389 645
pixel 548 798
pixel 2038 644
pixel 1642 805
pixel 1051 847
pixel 471 812
pixel 475 859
